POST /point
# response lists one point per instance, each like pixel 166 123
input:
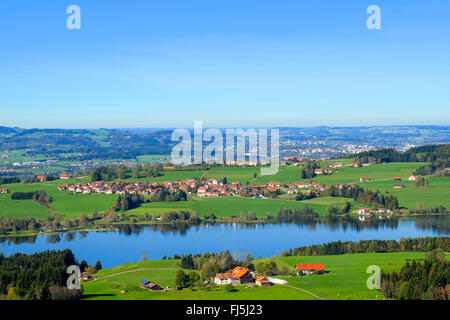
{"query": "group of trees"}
pixel 184 280
pixel 38 276
pixel 417 281
pixel 421 182
pixel 124 172
pixel 309 167
pixel 166 196
pixel 13 224
pixel 369 246
pixel 209 264
pixel 364 196
pixel 39 196
pixel 9 180
pixel 431 210
pixel 336 210
pixel 295 213
pixel 34 179
pixel 128 201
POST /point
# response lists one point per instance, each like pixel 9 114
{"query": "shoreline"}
pixel 116 226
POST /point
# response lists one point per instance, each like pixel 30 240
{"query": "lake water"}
pixel 130 242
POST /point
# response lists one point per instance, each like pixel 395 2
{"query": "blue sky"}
pixel 229 63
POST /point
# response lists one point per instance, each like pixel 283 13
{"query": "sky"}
pixel 229 63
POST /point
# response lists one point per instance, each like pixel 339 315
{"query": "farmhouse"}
pixel 4 190
pixel 85 276
pixel 65 176
pixel 263 282
pixel 146 284
pixel 399 186
pixel 40 178
pixel 364 211
pixel 309 269
pixel 364 179
pixel 226 278
pixel 412 178
pixel 397 179
pixel 242 274
pixel 318 171
pixel 273 184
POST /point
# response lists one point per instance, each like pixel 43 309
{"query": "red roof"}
pixel 312 266
pixel 238 272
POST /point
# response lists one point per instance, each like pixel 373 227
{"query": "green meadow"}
pixel 232 206
pixel 347 275
pixel 376 172
pixel 346 280
pixel 70 206
pixel 110 283
pixel 63 203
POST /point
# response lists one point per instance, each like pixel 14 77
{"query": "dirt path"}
pixel 305 291
pixel 134 270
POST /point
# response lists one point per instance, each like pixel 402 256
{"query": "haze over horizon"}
pixel 229 63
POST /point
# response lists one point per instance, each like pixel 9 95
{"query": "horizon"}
pixel 230 127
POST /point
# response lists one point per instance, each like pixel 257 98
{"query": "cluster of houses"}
pixel 368 211
pixel 204 188
pixel 240 275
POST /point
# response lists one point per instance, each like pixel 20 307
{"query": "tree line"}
pixel 124 172
pixel 372 246
pixel 39 196
pixel 364 196
pixel 39 276
pixel 417 281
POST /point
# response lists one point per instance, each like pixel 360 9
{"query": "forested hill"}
pixel 438 155
pixel 83 144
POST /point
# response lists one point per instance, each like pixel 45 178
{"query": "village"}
pixel 199 188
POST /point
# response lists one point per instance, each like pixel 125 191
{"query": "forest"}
pixel 40 276
pixel 417 281
pixel 372 246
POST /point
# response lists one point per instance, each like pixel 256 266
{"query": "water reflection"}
pixel 436 224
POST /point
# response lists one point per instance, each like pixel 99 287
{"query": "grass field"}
pixel 112 281
pixel 346 280
pixel 438 192
pixel 347 273
pixel 232 206
pixel 63 203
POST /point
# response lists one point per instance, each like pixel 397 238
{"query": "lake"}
pixel 129 242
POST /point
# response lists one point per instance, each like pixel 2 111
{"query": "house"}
pixel 397 179
pixel 263 282
pixel 65 176
pixel 168 168
pixel 226 278
pixel 399 186
pixel 273 184
pixel 85 276
pixel 243 274
pixel 364 179
pixel 40 178
pixel 412 178
pixel 146 284
pixel 318 171
pixel 309 269
pixel 4 190
pixel 364 211
pixel 337 165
